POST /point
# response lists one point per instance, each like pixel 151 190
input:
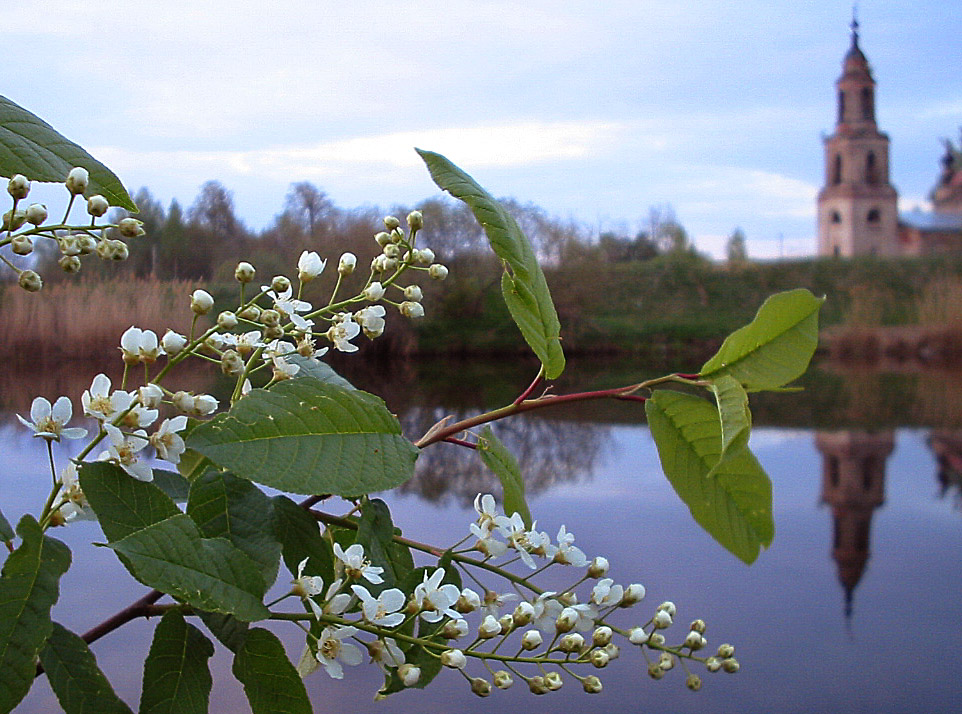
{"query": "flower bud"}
pixel 599 659
pixel 425 256
pixel 637 636
pixel 77 180
pixel 383 239
pixel 699 626
pixel 633 593
pixel 454 629
pixel 469 601
pixel 693 682
pixel 373 292
pixel 412 310
pixel 566 620
pixel 656 639
pixel 489 628
pixel 392 251
pixel 18 187
pixel 227 320
pixel 204 404
pixel 231 363
pixel 279 283
pixel 726 650
pixel 150 395
pixel 251 312
pixel 661 620
pixel 118 250
pixel 272 332
pixel 553 681
pixel 415 220
pixel 271 318
pixel 408 674
pixel 713 664
pixel 655 671
pixel 591 684
pixel 30 281
pixel 503 679
pixel 666 661
pixel 536 685
pixel 730 665
pixel 13 220
pixel 507 624
pixel 454 659
pixel 438 271
pixel 598 566
pixel 309 266
pixel 201 302
pixel 601 636
pixel 70 245
pixel 173 342
pixel 130 227
pixel 397 235
pixel 572 642
pixel 346 264
pixel 36 213
pixel 390 222
pixel 244 272
pixel 694 641
pixel 481 687
pixel 182 401
pixel 531 640
pixel 97 205
pixel 413 292
pixel 69 264
pixel 88 244
pixel 613 650
pixel 21 245
pixel 523 614
pixel 667 606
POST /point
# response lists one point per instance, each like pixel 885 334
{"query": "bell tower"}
pixel 857 206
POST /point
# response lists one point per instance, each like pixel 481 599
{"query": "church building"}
pixel 858 205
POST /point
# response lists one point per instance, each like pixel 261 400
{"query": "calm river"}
pixel 856 607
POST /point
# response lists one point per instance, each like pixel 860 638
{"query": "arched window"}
pixel 871 168
pixel 868 109
pixel 841 107
pixel 874 216
pixel 836 217
pixel 837 170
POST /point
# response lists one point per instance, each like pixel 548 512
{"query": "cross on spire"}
pixel 855 25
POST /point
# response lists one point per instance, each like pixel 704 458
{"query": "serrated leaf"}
pixel 123 504
pixel 496 457
pixel 270 681
pixel 30 146
pixel 6 530
pixel 321 371
pixel 223 505
pixel 308 437
pixel 775 347
pixel 736 419
pixel 375 531
pixel 207 573
pixel 228 630
pixel 732 500
pixel 75 678
pixel 29 587
pixel 523 285
pixel 300 538
pixel 176 674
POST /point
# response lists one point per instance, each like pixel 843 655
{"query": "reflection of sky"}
pixel 784 613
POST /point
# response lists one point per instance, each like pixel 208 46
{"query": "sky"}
pixel 594 111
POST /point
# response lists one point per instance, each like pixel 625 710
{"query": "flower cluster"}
pixel 23 226
pixel 556 635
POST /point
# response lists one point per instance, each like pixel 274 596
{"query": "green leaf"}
pixel 496 457
pixel 6 530
pixel 736 419
pixel 523 285
pixel 223 505
pixel 775 347
pixel 75 678
pixel 228 630
pixel 29 587
pixel 321 371
pixel 171 483
pixel 308 437
pixel 176 675
pixel 207 573
pixel 376 532
pixel 123 504
pixel 270 681
pixel 30 146
pixel 732 500
pixel 300 538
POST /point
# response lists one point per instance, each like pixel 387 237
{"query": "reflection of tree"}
pixel 946 445
pixel 549 452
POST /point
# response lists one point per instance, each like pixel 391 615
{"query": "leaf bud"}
pixel 591 684
pixel 227 320
pixel 13 220
pixel 531 640
pixel 598 566
pixel 280 283
pixel 454 659
pixel 383 239
pixel 438 271
pixel 553 681
pixel 726 650
pixel 21 245
pixel 173 343
pixel 503 679
pixel 601 636
pixel 415 220
pixel 390 222
pixel 69 263
pixel 408 674
pixel 572 642
pixel 693 682
pixel 599 659
pixel 481 687
pixel 201 302
pixel 699 626
pixel 130 227
pixel 97 205
pixel 412 310
pixel 425 256
pixel 36 213
pixel 18 187
pixel 30 281
pixel 77 180
pixel 413 292
pixel 347 263
pixel 730 665
pixel 270 318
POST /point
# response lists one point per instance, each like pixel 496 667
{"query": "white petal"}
pixel 39 409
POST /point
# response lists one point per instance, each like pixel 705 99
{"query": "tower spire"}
pixel 854 25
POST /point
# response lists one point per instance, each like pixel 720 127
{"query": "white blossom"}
pixel 371 320
pixel 355 566
pixel 434 599
pixel 49 421
pixel 309 266
pixel 124 450
pixel 307 586
pixel 606 593
pixel 383 609
pixel 341 333
pixel 168 443
pixel 373 292
pixel 332 650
